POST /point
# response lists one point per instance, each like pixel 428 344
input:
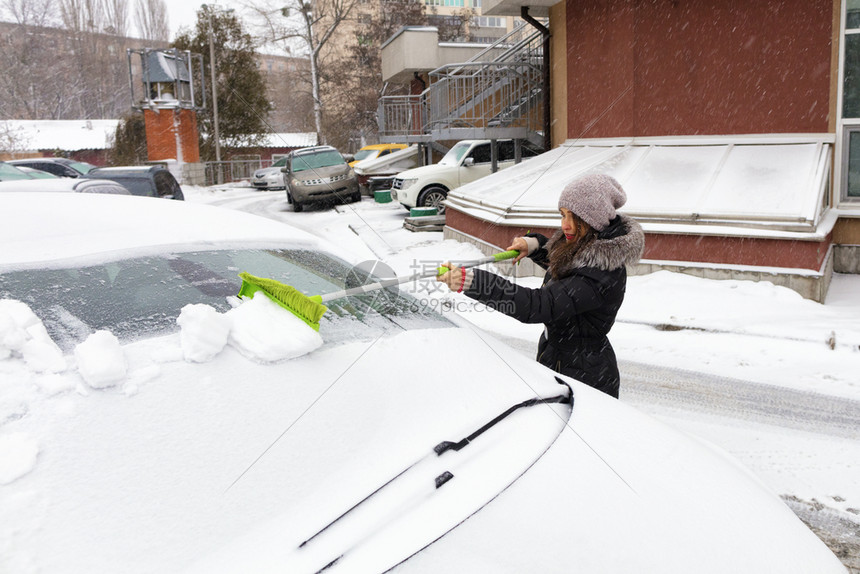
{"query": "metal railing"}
pixel 497 93
pixel 219 172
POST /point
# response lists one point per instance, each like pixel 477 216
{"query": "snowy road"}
pixel 785 435
pixel 654 386
pixel 743 418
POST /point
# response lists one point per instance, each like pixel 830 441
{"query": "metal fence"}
pixel 220 172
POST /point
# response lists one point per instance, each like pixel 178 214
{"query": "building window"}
pixel 851 164
pixel 850 120
pixel 489 22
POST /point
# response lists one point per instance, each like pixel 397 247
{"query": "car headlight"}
pixel 407 183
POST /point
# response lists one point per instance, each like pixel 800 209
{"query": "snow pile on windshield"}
pixel 32 364
pixel 258 328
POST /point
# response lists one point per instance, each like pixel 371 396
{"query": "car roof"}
pixel 90 224
pixel 132 170
pixel 61 160
pixel 314 149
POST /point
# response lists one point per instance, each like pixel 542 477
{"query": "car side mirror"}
pixel 285 170
pixel 469 162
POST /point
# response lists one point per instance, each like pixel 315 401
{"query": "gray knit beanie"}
pixel 594 198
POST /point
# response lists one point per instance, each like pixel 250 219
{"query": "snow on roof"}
pixel 290 140
pixel 762 183
pixel 66 135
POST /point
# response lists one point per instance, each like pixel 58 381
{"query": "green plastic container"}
pixel 422 211
pixel 382 196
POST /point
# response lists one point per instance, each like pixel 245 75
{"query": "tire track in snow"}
pixel 739 399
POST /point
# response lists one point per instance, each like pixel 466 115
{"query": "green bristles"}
pixel 290 298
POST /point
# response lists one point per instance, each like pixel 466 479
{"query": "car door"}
pixel 478 167
pixel 54 168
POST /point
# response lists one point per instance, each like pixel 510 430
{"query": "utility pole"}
pixel 209 10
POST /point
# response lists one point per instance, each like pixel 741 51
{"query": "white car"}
pixel 148 423
pixel 269 178
pixel 467 161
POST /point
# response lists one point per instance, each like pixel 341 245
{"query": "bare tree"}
pixel 116 17
pixel 308 24
pixel 150 16
pixel 28 12
pixel 12 139
pixel 62 59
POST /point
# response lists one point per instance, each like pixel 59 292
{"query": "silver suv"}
pixel 318 174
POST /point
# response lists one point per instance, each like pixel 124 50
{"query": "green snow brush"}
pixel 310 309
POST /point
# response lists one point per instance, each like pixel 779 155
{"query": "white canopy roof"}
pixel 735 185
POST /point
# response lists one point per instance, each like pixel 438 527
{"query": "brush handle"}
pixel 400 280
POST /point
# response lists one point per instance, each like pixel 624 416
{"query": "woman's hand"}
pixel 520 245
pixel 453 278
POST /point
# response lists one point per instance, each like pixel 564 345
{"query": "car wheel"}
pixel 433 197
pixel 355 197
pixel 289 198
pixel 297 207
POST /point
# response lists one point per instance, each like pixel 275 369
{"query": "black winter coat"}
pixel 578 301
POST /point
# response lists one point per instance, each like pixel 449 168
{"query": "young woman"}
pixel 583 287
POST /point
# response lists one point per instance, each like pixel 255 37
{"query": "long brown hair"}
pixel 569 249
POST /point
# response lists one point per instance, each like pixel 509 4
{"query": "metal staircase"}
pixel 497 94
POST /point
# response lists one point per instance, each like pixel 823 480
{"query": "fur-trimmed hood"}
pixel 621 244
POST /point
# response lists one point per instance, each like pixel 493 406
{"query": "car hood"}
pixel 267 171
pixel 613 488
pixel 39 185
pixel 230 465
pixel 434 170
pixel 320 172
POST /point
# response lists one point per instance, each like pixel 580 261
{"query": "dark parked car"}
pixel 150 180
pixel 58 166
pixel 319 174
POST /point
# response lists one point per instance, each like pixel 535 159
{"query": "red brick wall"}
pixel 161 129
pixel 688 67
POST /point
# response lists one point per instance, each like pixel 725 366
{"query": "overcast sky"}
pixel 184 14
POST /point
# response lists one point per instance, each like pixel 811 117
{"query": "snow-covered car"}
pixel 59 166
pixel 467 161
pixel 150 421
pixel 269 178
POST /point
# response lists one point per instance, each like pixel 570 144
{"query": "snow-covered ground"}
pixel 755 332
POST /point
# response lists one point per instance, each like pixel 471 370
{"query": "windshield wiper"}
pixel 445 446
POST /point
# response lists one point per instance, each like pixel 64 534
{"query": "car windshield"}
pixel 143 296
pixel 455 154
pixel 10 172
pixel 365 154
pixel 281 162
pixel 81 166
pixel 317 160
